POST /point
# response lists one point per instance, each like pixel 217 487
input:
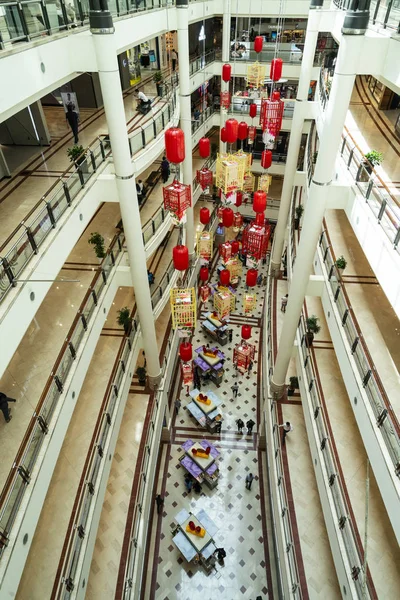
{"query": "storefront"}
pixel 129 67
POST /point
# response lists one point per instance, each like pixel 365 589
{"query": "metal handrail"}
pixel 386 15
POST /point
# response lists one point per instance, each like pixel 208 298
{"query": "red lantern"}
pixel 175 145
pixel 252 134
pixel 177 198
pixel 276 95
pixel 223 135
pixel 239 198
pixel 237 220
pixel 275 72
pixel 204 215
pixel 271 115
pixel 226 72
pixel 231 128
pixel 251 277
pixel 266 159
pixel 246 332
pixel 180 258
pixel 204 273
pixel 227 217
pixel 242 130
pixel 260 219
pixel 185 351
pixel 253 110
pixel 204 147
pixel 225 100
pixel 259 201
pixel 235 246
pixel 224 277
pixel 204 178
pixel 258 43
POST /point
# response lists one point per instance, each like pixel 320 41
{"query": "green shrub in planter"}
pixel 374 158
pixel 341 263
pixel 141 373
pixel 124 319
pixel 312 329
pixel 97 241
pixel 299 213
pixel 76 154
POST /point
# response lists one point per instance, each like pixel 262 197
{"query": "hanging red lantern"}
pixel 180 258
pixel 260 219
pixel 259 201
pixel 252 134
pixel 226 72
pixel 225 100
pixel 275 72
pixel 237 220
pixel 204 273
pixel 223 135
pixel 239 199
pixel 242 130
pixel 251 277
pixel 174 145
pixel 185 351
pixel 204 216
pixel 227 217
pixel 177 198
pixel 204 147
pixel 224 277
pixel 258 43
pixel 204 178
pixel 235 246
pixel 276 95
pixel 246 332
pixel 231 128
pixel 253 110
pixel 266 159
pixel 271 115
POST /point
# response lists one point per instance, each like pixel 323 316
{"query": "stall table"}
pixel 205 414
pixel 202 469
pixel 209 365
pixel 192 545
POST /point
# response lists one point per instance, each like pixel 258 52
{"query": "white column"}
pixel 339 99
pixel 106 54
pixel 226 46
pixel 314 17
pixel 186 112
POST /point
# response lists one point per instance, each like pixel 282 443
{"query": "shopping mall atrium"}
pixel 199 299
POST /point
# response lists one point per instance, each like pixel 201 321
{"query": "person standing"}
pixel 139 191
pixel 72 119
pixel 178 404
pixel 165 169
pixel 159 502
pixel 249 480
pixel 230 335
pixel 240 425
pixel 235 389
pixel 284 300
pixel 287 428
pixel 250 367
pixel 174 58
pixel 4 400
pixel 250 424
pixel 259 279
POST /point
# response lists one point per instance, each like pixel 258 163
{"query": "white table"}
pixel 206 408
pixel 203 463
pixel 197 542
pixel 207 523
pixel 184 546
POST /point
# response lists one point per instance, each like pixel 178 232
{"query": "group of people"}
pixel 249 424
pixel 191 483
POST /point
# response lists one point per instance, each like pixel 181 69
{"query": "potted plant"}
pixel 124 319
pixel 299 212
pixel 371 160
pixel 341 264
pixel 97 241
pixel 141 373
pixel 312 329
pixel 158 80
pixel 293 385
pixel 77 155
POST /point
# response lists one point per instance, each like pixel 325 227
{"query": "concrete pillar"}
pixel 314 17
pixel 102 28
pixel 186 112
pixel 226 46
pixel 339 99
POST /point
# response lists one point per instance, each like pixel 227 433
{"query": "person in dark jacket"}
pixel 165 171
pixel 72 119
pixel 4 400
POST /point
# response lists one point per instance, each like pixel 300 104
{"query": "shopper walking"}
pixel 240 425
pixel 188 483
pixel 287 428
pixel 139 191
pixel 230 335
pixel 165 171
pixel 159 502
pixel 259 279
pixel 250 367
pixel 4 400
pixel 174 58
pixel 249 480
pixel 178 404
pixel 250 424
pixel 235 389
pixel 284 300
pixel 72 119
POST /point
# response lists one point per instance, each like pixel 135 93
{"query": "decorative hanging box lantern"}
pixel 204 274
pixel 231 128
pixel 187 373
pixel 264 181
pixel 227 217
pixel 258 43
pixel 251 134
pixel 249 303
pixel 226 72
pixel 239 199
pixel 275 72
pixel 177 198
pixel 237 222
pixel 185 351
pixel 204 147
pixel 266 159
pixel 251 277
pixel 175 145
pixel 226 175
pixel 225 251
pixel 234 246
pixel 255 76
pixel 225 100
pixel 205 178
pixel 260 219
pixel 243 159
pixel 248 182
pixel 243 354
pixel 183 308
pixel 204 293
pixel 255 240
pixel 204 244
pixel 224 277
pixel 253 110
pixel 271 115
pixel 259 202
pixel 204 215
pixel 223 135
pixel 180 258
pixel 224 303
pixel 242 130
pixel 246 332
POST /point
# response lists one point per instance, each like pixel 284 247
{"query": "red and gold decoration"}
pixel 204 244
pixel 204 215
pixel 177 198
pixel 271 114
pixel 255 240
pixel 204 178
pixel 187 373
pixel 237 222
pixel 199 531
pixel 183 308
pixel 225 251
pixel 226 72
pixel 201 453
pixel 225 100
pixel 220 212
pixel 203 399
pixel 205 293
pixel 180 257
pixel 204 147
pixel 248 182
pixel 243 355
pixel 249 302
pixel 264 181
pixel 251 134
pixel 275 72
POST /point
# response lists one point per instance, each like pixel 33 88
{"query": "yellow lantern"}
pixel 227 173
pixel 249 303
pixel 204 244
pixel 264 181
pixel 224 303
pixel 255 74
pixel 249 182
pixel 183 308
pixel 234 266
pixel 244 163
